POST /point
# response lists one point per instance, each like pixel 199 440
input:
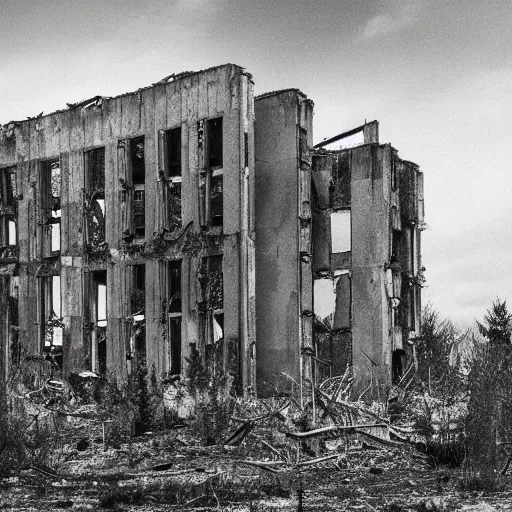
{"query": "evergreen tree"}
pixel 436 353
pixel 497 325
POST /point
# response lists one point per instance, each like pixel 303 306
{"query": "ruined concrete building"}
pixel 190 218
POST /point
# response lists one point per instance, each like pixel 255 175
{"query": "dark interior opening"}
pixel 397 363
pixel 175 335
pixel 214 131
pixel 137 161
pixel 174 151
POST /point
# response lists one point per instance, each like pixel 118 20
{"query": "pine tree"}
pixel 497 325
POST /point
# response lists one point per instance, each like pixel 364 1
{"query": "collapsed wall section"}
pixel 367 218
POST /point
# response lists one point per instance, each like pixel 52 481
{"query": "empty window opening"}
pixel 138 307
pixel 175 315
pixel 339 191
pixel 173 199
pixel 175 344
pixel 8 231
pixel 172 170
pixel 341 231
pixel 95 188
pixel 214 327
pixel 397 363
pixel 50 319
pixel 212 283
pixel 95 163
pixel 7 186
pixel 139 337
pixel 138 299
pixel 174 152
pixel 212 307
pixel 218 327
pixel 324 297
pixel 55 232
pixel 139 211
pixel 98 318
pixel 214 143
pixel 138 177
pixel 13 316
pixel 175 286
pixel 216 198
pixel 100 298
pixel 137 161
pixel 51 207
pixel 11 227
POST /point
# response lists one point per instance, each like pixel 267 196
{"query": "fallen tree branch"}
pixel 333 428
pixel 318 460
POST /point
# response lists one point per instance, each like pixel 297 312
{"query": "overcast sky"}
pixel 436 74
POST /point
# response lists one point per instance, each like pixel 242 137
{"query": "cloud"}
pixel 395 15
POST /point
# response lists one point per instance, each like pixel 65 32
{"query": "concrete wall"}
pixel 370 251
pixel 278 263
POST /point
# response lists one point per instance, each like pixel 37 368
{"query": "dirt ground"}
pixel 158 472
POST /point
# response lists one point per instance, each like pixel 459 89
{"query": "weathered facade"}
pixel 127 229
pixel 188 216
pixel 338 230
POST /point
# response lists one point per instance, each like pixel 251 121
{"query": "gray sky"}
pixel 436 74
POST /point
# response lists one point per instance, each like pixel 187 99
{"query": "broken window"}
pixel 341 231
pixel 138 168
pixel 339 191
pixel 174 152
pixel 175 286
pixel 215 161
pixel 175 316
pixel 98 319
pixel 324 294
pixel 95 191
pixel 216 198
pixel 171 174
pixel 50 206
pixel 50 319
pixel 7 186
pixel 138 298
pixel 214 143
pixel 211 178
pixel 138 308
pixel 212 305
pixel 212 283
pixel 332 322
pixel 8 231
pixel 139 208
pixel 397 364
pixel 13 322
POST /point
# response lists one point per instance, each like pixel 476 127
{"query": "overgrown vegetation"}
pixel 463 394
